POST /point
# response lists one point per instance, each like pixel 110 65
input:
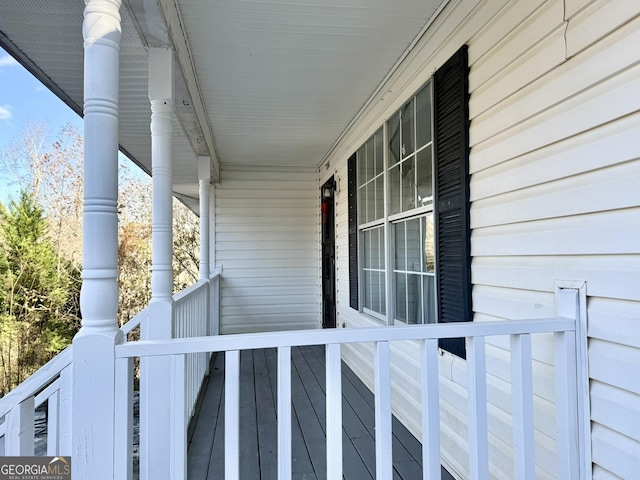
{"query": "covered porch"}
pixel 244 110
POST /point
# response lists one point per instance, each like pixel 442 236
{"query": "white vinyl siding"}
pixel 267 244
pixel 555 170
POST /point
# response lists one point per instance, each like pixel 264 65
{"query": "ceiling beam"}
pixel 174 23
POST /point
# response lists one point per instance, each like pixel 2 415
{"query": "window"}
pixel 410 174
pixel 412 225
pixel 370 161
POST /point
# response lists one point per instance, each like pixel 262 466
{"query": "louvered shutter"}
pixel 451 146
pixel 352 188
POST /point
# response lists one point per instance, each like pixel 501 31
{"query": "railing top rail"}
pixel 182 294
pixel 250 341
pixel 36 382
pixel 134 322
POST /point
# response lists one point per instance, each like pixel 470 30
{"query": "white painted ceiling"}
pixel 279 80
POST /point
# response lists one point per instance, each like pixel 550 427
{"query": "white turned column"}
pixel 93 381
pixel 204 177
pixel 161 98
pixel 155 385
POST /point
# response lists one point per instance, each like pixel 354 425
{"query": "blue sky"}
pixel 24 99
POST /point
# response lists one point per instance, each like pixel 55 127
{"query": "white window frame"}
pixel 388 221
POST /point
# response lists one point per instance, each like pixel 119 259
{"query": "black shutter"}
pixel 352 187
pixel 453 244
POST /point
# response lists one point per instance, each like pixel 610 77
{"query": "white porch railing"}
pixel 51 384
pixel 196 314
pixel 192 317
pixel 520 332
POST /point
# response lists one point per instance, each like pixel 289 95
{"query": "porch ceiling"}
pixel 260 82
pixel 281 79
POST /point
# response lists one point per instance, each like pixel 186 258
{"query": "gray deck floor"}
pixel 258 430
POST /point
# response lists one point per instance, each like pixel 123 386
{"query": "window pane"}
pixel 425 177
pixel 373 275
pixel 394 190
pixel 407 129
pixel 379 193
pixel 423 116
pixel 375 248
pixel 375 292
pixel 414 245
pixel 362 166
pixel 370 159
pixel 368 289
pixel 383 293
pixel 429 261
pixel 429 299
pixel 370 202
pixel 366 249
pixel 362 204
pixel 401 296
pixel 400 247
pixel 408 184
pixel 394 139
pixel 414 299
pixel 378 152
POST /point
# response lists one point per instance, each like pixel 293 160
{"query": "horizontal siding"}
pixel 267 243
pixel 614 452
pixel 555 164
pixel 528 53
pixel 612 99
pixel 596 21
pixel 600 473
pixel 595 191
pixel 606 276
pixel 602 233
pixel 576 75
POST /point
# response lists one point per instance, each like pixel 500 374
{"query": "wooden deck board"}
pixel 216 462
pixel 249 453
pixel 266 411
pixel 201 441
pixel 258 437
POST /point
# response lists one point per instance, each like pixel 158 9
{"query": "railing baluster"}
pixel 19 433
pixel 179 419
pixel 430 410
pixel 384 465
pixel 522 407
pixel 53 424
pixel 123 445
pixel 65 410
pixel 334 411
pixel 566 404
pixel 477 405
pixel 232 415
pixel 284 413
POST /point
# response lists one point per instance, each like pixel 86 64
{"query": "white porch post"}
pixel 204 177
pixel 93 347
pixel 155 381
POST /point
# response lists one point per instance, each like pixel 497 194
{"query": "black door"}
pixel 327 206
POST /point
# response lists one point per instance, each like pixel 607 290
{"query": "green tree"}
pixel 38 293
